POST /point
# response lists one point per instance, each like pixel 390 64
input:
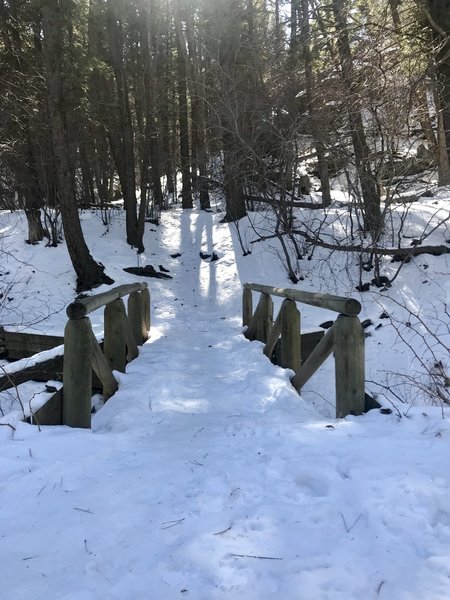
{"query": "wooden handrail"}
pixel 346 306
pixel 123 333
pixel 81 307
pixel 283 340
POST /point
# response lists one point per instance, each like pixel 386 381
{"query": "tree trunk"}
pixel 393 6
pixel 314 118
pixel 234 194
pixel 231 109
pixel 36 231
pixel 86 177
pixel 440 25
pixel 124 155
pixel 33 197
pixel 151 129
pixel 89 273
pixel 442 152
pixel 102 168
pixel 369 191
pixel 424 117
pixel 186 191
pixel 293 24
pixel 198 114
pixel 166 98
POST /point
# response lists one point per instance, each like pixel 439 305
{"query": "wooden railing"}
pixel 123 333
pixel 80 361
pixel 345 337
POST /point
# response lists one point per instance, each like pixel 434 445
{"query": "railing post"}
pixel 145 297
pixel 261 323
pixel 130 342
pixel 247 307
pixel 135 313
pixel 114 346
pixel 77 373
pixel 290 350
pixel 265 318
pixel 349 361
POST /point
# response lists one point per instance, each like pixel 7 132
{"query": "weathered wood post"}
pixel 135 316
pixel 290 350
pixel 114 346
pixel 103 371
pixel 262 320
pixel 132 349
pixel 265 322
pixel 77 373
pixel 145 297
pixel 272 340
pixel 247 307
pixel 317 357
pixel 349 365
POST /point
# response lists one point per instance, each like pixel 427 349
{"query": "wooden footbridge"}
pixel 83 363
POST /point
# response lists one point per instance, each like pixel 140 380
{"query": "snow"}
pixel 206 476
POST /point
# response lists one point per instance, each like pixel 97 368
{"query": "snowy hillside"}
pixel 206 476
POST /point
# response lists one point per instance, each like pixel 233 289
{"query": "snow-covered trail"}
pixel 207 477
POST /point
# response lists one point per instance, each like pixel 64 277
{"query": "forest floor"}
pixel 206 476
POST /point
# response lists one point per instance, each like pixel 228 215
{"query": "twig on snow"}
pixel 169 524
pixel 8 425
pixel 347 528
pixel 223 531
pixel 255 556
pixel 196 433
pixel 86 548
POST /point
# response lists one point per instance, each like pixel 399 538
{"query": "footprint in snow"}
pixel 311 486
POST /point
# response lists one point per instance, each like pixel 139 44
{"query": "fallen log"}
pixel 394 252
pixel 147 271
pixel 50 369
pixel 294 203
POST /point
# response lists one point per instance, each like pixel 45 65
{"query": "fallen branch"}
pixel 404 253
pixel 294 203
pixel 254 556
